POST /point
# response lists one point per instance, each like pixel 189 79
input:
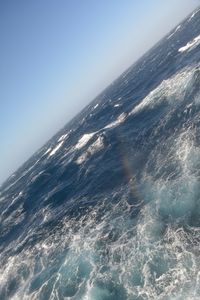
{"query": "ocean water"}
pixel 109 208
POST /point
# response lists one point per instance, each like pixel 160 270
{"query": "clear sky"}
pixel 57 55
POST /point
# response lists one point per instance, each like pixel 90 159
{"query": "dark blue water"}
pixel 109 208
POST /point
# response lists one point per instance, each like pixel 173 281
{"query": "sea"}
pixel 109 208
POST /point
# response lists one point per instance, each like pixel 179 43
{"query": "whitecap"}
pixel 121 118
pixel 193 15
pixel 63 137
pixel 96 106
pixel 190 45
pixel 177 28
pixel 84 140
pixel 117 105
pixel 93 148
pixel 56 149
pixel 47 151
pixel 170 90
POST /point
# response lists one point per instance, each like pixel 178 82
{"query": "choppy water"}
pixel 109 209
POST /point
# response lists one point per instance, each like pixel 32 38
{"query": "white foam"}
pixel 141 259
pixel 47 151
pixel 96 106
pixel 46 214
pixel 95 147
pixel 84 140
pixel 190 45
pixel 63 137
pixel 170 90
pixel 56 149
pixel 98 144
pixel 194 14
pixel 177 28
pixel 121 118
pixel 33 179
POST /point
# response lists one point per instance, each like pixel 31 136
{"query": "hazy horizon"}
pixel 48 79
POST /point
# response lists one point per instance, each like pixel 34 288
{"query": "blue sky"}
pixel 56 56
